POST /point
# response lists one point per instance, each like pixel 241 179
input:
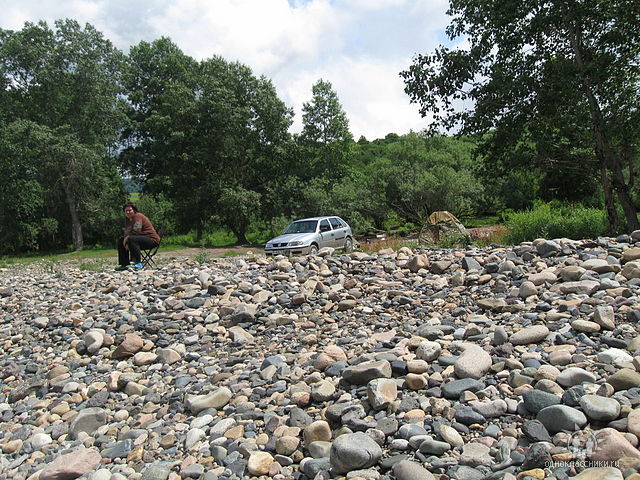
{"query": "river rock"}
pixel 529 335
pixel 363 373
pixel 72 465
pixel 131 344
pixel 354 451
pixel 600 408
pixel 216 399
pixel 561 417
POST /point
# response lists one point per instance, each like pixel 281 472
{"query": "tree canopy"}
pixel 545 78
pixel 62 96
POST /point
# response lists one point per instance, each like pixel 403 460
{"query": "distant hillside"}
pixel 131 185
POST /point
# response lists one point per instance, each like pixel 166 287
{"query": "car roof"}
pixel 315 218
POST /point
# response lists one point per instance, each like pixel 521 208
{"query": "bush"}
pixel 160 211
pixel 554 220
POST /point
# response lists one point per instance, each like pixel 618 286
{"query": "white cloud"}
pixel 360 46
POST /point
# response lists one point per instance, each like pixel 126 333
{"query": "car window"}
pixel 324 225
pixel 308 226
pixel 335 223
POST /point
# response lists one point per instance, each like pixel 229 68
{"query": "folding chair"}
pixel 146 256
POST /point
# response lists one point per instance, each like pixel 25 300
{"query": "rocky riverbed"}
pixel 497 363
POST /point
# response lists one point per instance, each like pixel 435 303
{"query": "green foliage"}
pixel 160 211
pixel 453 240
pixel 62 111
pixel 201 131
pixel 202 256
pixel 325 138
pixel 94 265
pixel 553 87
pixel 237 208
pixel 553 220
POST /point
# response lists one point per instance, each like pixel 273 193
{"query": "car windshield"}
pixel 308 226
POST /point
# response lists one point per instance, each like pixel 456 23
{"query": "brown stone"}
pixel 131 345
pixel 72 465
pixel 612 445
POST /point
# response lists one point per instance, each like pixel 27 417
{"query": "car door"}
pixel 339 232
pixel 326 235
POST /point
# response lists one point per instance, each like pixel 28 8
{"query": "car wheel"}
pixel 348 245
pixel 313 250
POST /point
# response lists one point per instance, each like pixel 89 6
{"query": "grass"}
pixel 85 257
pixel 548 220
pixel 392 242
pixel 231 253
pixel 480 221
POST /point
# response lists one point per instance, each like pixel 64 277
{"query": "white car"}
pixel 307 236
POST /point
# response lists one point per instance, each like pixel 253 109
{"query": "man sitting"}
pixel 139 234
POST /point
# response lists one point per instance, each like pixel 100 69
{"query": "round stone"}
pixel 600 408
pixel 557 418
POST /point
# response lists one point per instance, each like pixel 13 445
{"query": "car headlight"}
pixel 295 244
pixel 268 245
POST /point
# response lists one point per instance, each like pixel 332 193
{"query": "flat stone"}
pixel 259 463
pixel 604 316
pixel 434 447
pixel 633 422
pixel 455 388
pixel 528 335
pixel 535 431
pixel 216 399
pixel 631 270
pixel 614 356
pixel 428 350
pixel 600 408
pixel 599 473
pixel 363 373
pixel 584 287
pixel 624 379
pixel 93 339
pixel 317 431
pixel 168 356
pixel 88 421
pixel 574 376
pixel 418 262
pixel 72 465
pixel 475 454
pixel 451 436
pixel 561 417
pixel 131 344
pixel 156 472
pixel 536 400
pixel 408 470
pixel 585 326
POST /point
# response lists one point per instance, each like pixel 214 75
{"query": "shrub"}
pixel 160 211
pixel 554 220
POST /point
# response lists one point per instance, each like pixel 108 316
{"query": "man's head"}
pixel 129 209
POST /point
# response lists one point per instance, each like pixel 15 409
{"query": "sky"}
pixel 359 46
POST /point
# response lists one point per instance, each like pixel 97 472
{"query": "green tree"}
pixel 64 84
pixel 202 129
pixel 325 137
pixel 535 67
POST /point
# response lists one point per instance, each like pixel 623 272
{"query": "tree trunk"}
pixel 625 200
pixel 76 228
pixel 604 153
pixel 609 203
pixel 241 235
